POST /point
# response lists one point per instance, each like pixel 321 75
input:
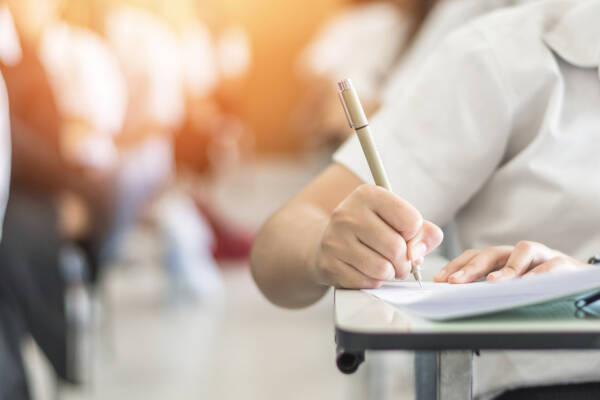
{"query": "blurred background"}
pixel 150 139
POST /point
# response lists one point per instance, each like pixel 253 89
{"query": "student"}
pixel 12 371
pixel 498 131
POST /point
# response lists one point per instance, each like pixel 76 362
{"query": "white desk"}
pixel 363 322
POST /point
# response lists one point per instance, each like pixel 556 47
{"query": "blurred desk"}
pixel 444 369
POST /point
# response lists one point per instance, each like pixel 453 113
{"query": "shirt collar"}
pixel 575 36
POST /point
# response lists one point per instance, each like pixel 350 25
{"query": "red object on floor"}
pixel 232 243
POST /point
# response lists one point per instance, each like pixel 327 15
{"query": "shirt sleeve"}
pixel 446 133
pixel 377 31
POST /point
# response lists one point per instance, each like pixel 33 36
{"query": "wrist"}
pixel 314 250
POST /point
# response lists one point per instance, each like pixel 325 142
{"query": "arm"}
pixel 441 139
pixel 338 232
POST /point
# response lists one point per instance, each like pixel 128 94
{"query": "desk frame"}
pixel 444 359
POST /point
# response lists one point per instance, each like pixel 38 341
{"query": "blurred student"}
pixel 12 372
pixel 159 77
pixel 375 36
pixel 147 51
pixel 497 130
pixel 213 139
pixel 66 104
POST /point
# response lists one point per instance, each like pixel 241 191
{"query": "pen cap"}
pixel 351 103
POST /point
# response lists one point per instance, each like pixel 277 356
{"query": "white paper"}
pixel 440 301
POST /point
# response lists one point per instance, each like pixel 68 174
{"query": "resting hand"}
pixel 506 262
pixel 372 236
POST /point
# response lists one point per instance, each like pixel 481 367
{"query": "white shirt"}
pixel 361 42
pixel 446 16
pixel 500 129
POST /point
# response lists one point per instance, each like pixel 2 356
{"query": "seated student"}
pixel 357 29
pixel 497 130
pixel 65 104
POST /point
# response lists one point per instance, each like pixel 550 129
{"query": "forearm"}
pixel 284 253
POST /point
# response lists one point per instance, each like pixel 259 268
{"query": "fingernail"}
pixel 441 274
pixel 418 251
pixel 495 275
pixel 457 274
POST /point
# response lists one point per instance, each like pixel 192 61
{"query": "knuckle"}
pixel 471 252
pixel 416 219
pixel 381 269
pixel 557 260
pixel 366 190
pixel 371 284
pixel 403 269
pixel 412 219
pixel 338 213
pixel 345 283
pixel 329 243
pixel 397 248
pixel 525 245
pixel 469 267
pixel 489 251
pixel 342 219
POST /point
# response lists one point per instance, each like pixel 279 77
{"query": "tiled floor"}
pixel 238 347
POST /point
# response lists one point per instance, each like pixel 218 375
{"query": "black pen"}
pixel 586 301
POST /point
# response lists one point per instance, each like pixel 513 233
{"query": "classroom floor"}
pixel 237 347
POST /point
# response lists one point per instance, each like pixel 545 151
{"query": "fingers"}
pixel 384 240
pixel 429 237
pixel 526 255
pixel 455 265
pixel 368 231
pixel 368 261
pixel 525 258
pixel 396 212
pixel 484 262
pixel 347 276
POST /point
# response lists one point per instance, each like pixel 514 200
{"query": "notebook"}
pixel 443 301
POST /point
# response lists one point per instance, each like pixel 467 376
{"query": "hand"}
pixel 371 237
pixel 506 262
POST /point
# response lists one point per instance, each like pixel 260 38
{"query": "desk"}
pixel 363 322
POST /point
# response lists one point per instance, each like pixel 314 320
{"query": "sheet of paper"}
pixel 440 301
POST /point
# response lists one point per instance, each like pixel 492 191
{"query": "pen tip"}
pixel 420 284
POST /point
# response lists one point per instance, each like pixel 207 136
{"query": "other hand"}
pixel 506 262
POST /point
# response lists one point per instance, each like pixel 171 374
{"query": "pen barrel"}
pixel 353 108
pixel 372 155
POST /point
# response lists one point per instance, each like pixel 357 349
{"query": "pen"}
pixel 586 301
pixel 358 121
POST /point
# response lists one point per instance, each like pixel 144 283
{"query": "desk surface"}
pixel 364 322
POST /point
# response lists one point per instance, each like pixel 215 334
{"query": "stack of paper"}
pixel 440 301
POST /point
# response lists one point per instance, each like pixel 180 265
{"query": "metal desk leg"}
pixel 443 375
pixel 455 375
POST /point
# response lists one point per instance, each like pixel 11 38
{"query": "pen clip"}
pixel 345 109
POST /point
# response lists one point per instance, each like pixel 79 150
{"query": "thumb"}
pixel 427 239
